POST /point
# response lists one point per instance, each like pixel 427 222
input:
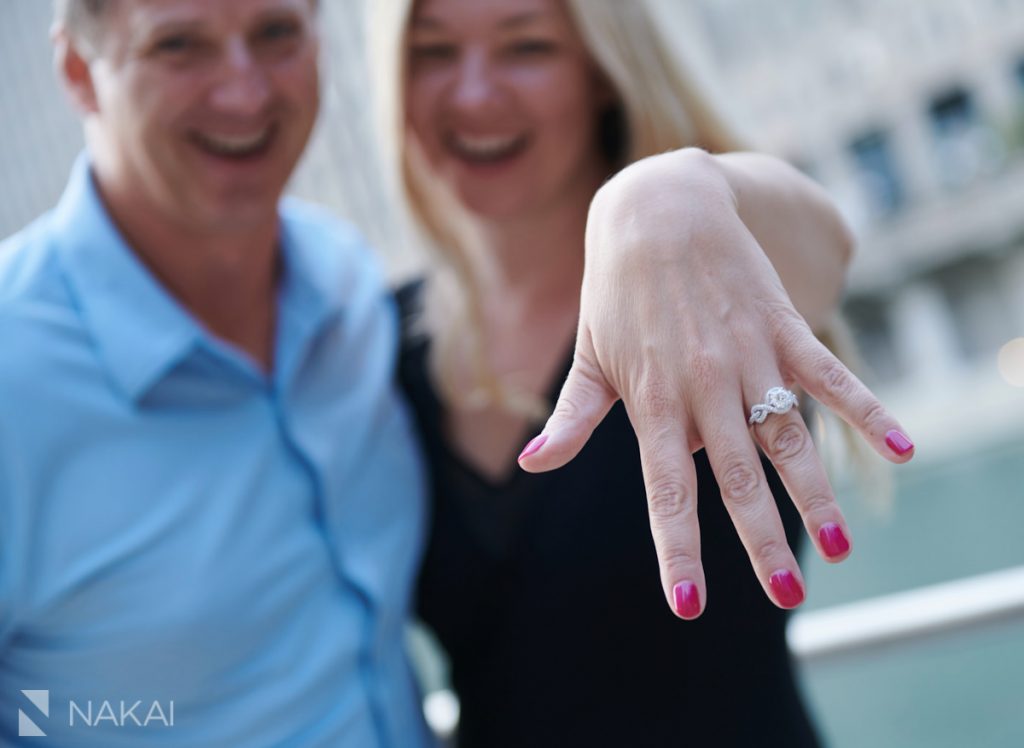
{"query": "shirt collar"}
pixel 141 331
pixel 315 284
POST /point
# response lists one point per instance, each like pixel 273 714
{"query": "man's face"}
pixel 201 108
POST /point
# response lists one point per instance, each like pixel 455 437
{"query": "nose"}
pixel 475 84
pixel 243 87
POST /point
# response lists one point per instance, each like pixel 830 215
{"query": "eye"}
pixel 279 30
pixel 433 52
pixel 176 44
pixel 532 47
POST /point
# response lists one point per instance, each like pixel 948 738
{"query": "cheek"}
pixel 567 109
pixel 156 103
pixel 301 81
pixel 420 104
pixel 562 91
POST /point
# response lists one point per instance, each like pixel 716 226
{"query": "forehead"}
pixel 143 16
pixel 499 14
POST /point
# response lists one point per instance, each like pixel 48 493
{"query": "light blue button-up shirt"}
pixel 177 526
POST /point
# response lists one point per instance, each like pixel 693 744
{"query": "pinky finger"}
pixel 831 383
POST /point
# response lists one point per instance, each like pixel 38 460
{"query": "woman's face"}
pixel 503 99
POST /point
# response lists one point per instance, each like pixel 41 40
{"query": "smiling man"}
pixel 210 500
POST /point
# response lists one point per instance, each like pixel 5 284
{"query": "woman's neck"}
pixel 535 260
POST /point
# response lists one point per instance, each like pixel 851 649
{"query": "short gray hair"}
pixel 82 18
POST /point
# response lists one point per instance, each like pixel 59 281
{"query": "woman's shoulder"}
pixel 413 369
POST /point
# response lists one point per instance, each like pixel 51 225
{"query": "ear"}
pixel 72 67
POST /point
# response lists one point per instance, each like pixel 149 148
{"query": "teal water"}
pixel 963 690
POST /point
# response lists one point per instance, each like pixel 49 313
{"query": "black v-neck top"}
pixel 545 592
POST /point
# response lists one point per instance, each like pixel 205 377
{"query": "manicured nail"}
pixel 787 589
pixel 686 599
pixel 833 540
pixel 898 442
pixel 534 444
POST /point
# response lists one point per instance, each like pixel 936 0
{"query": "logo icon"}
pixel 27 728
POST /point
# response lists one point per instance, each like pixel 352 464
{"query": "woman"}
pixel 544 588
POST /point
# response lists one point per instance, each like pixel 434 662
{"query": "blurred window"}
pixel 952 112
pixel 965 147
pixel 878 174
pixel 869 320
pixel 982 315
pixel 1018 74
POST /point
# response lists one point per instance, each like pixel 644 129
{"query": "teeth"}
pixel 486 146
pixel 234 145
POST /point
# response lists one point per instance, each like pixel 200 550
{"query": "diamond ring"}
pixel 776 400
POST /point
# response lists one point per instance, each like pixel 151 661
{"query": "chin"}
pixel 498 209
pixel 237 215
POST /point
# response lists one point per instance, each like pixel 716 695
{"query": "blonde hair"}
pixel 661 105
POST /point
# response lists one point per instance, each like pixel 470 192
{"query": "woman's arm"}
pixel 797 226
pixel 702 274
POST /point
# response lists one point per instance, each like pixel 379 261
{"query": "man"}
pixel 210 501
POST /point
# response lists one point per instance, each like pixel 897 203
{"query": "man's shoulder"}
pixel 36 310
pixel 324 231
pixel 334 250
pixel 28 265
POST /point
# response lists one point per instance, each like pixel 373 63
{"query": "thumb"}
pixel 583 403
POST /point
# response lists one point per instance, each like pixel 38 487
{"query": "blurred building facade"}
pixel 911 113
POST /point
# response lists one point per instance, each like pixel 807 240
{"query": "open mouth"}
pixel 486 149
pixel 236 146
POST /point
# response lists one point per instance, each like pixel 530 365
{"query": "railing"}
pixel 924 611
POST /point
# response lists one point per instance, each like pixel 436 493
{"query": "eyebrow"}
pixel 172 23
pixel 522 19
pixel 175 26
pixel 168 23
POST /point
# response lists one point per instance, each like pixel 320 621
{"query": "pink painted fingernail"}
pixel 787 589
pixel 533 445
pixel 833 540
pixel 898 442
pixel 686 599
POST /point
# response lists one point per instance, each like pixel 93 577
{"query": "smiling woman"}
pixel 503 119
pixel 505 114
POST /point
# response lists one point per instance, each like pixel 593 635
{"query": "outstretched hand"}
pixel 684 318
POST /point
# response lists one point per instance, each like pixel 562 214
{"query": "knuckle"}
pixel 817 504
pixel 835 379
pixel 677 559
pixel 668 498
pixel 769 548
pixel 787 443
pixel 654 398
pixel 706 366
pixel 740 483
pixel 873 412
pixel 784 320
